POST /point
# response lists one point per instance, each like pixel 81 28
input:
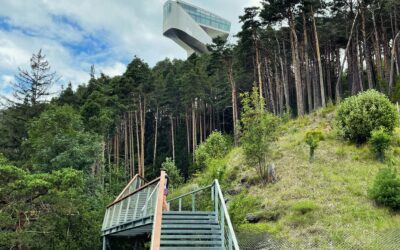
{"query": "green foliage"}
pixel 386 188
pixel 53 207
pixel 215 147
pixel 241 205
pixel 58 140
pixel 175 177
pixel 313 137
pixel 259 131
pixel 380 141
pixel 216 169
pixel 358 115
pixel 396 137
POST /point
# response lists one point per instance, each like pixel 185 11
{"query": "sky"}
pixel 75 34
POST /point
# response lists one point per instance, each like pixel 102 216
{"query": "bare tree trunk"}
pixel 296 65
pixel 126 148
pixel 142 130
pixel 138 145
pixel 260 82
pixel 194 130
pixel 234 103
pixel 393 56
pixel 284 75
pixel 187 132
pixel 377 50
pixel 307 65
pixel 172 137
pixel 155 138
pixel 344 59
pixel 367 53
pixel 321 76
pixel 131 143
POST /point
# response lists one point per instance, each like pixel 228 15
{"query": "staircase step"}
pixel 189 226
pixel 188 217
pixel 191 242
pixel 206 221
pixel 191 248
pixel 188 232
pixel 189 212
pixel 193 236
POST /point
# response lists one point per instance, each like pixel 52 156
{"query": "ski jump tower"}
pixel 191 27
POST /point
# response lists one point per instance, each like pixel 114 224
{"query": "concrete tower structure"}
pixel 192 27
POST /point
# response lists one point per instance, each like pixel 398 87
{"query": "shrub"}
pixel 216 169
pixel 380 141
pixel 174 175
pixel 241 205
pixel 259 132
pixel 386 188
pixel 358 115
pixel 313 138
pixel 216 146
pixel 396 137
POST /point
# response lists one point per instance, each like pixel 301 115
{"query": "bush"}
pixel 259 132
pixel 216 169
pixel 386 188
pixel 216 146
pixel 358 115
pixel 313 138
pixel 241 205
pixel 380 141
pixel 174 175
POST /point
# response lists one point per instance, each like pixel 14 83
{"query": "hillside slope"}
pixel 323 204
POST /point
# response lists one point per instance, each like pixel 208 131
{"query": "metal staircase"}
pixel 197 220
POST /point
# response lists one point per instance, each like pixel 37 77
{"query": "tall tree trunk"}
pixel 172 137
pixel 187 132
pixel 321 76
pixel 194 130
pixel 131 143
pixel 284 75
pixel 234 103
pixel 344 59
pixel 307 65
pixel 155 138
pixel 142 130
pixel 258 64
pixel 138 145
pixel 126 148
pixel 296 65
pixel 377 51
pixel 367 53
pixel 393 56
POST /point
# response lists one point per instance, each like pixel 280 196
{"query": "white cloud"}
pixel 125 28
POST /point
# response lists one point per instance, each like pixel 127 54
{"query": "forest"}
pixel 64 157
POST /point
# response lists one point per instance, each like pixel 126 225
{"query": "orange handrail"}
pixel 156 235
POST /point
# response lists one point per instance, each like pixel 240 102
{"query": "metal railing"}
pixel 132 206
pixel 215 202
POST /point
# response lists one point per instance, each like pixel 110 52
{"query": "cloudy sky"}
pixel 74 34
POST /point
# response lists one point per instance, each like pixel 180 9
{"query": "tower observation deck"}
pixel 192 27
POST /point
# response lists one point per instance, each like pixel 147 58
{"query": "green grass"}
pixel 323 204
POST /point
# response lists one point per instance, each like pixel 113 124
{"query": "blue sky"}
pixel 76 34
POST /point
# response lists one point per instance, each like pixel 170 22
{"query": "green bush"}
pixel 358 115
pixel 174 175
pixel 380 141
pixel 240 206
pixel 216 169
pixel 313 137
pixel 386 188
pixel 396 137
pixel 259 129
pixel 216 146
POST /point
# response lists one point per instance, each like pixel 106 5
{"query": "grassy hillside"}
pixel 323 204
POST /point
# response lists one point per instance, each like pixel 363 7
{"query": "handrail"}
pixel 226 215
pixel 126 187
pixel 192 192
pixel 157 221
pixel 134 192
pixel 149 198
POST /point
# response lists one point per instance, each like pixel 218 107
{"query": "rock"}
pixel 252 218
pixel 271 173
pixel 234 191
pixel 243 180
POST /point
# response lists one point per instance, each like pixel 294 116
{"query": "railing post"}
pixel 216 202
pixel 223 228
pixel 180 204
pixel 230 242
pixel 193 202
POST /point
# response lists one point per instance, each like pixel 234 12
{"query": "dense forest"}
pixel 63 159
